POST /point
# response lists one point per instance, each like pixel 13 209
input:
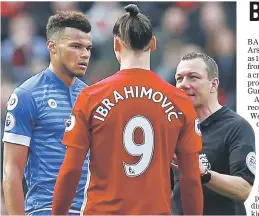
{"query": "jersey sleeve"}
pixel 20 118
pixel 77 133
pixel 190 139
pixel 242 157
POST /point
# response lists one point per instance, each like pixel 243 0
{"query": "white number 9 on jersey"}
pixel 144 150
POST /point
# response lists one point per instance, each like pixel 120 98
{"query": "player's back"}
pixel 136 121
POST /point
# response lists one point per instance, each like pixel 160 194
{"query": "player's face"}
pixel 74 51
pixel 192 77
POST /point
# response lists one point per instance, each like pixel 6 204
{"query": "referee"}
pixel 227 161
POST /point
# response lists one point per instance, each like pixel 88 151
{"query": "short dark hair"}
pixel 63 19
pixel 212 67
pixel 133 28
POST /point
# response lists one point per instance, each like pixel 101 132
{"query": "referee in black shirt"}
pixel 227 161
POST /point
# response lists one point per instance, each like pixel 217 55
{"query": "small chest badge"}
pixel 52 103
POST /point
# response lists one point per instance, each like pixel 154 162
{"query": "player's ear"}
pixel 51 46
pixel 117 48
pixel 214 85
pixel 153 44
pixel 117 45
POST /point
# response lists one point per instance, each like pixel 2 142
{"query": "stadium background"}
pixel 180 27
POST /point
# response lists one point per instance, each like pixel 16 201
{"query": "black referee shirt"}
pixel 228 148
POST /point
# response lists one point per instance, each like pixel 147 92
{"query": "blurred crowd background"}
pixel 179 27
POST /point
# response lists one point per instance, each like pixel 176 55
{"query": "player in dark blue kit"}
pixel 37 115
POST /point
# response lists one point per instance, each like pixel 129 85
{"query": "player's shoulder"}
pixel 80 84
pixel 174 92
pixel 179 98
pixel 33 82
pixel 102 85
pixel 23 94
pixel 177 95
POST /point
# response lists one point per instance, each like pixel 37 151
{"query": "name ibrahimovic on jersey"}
pixel 107 104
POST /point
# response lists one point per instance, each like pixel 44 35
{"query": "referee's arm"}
pixel 241 145
pixel 233 187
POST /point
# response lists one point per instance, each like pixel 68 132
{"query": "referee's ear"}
pixel 51 46
pixel 214 85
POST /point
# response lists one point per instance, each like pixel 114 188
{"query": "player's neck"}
pixel 135 60
pixel 64 77
pixel 207 110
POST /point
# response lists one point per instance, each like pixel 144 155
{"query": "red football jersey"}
pixel 133 122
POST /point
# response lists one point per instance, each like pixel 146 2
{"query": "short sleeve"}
pixel 20 118
pixel 77 133
pixel 242 157
pixel 190 139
